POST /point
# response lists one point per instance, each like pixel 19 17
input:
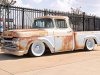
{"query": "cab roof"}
pixel 55 17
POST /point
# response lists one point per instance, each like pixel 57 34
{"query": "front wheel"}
pixel 89 45
pixel 37 49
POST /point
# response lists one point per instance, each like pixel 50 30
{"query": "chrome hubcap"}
pixel 38 48
pixel 90 44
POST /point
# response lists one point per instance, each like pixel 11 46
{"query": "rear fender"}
pixel 90 37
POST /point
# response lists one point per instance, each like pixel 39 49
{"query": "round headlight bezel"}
pixel 2 41
pixel 15 40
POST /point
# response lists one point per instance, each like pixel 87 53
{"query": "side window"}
pixel 60 23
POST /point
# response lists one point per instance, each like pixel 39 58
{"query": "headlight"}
pixel 15 41
pixel 2 41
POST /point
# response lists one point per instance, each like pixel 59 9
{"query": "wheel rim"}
pixel 37 48
pixel 90 44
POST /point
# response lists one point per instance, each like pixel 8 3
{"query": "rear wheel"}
pixel 37 49
pixel 89 45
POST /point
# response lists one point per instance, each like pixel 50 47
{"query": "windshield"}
pixel 43 23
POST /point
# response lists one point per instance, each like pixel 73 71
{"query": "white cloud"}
pixel 90 7
pixel 37 1
pixel 21 4
pixel 63 5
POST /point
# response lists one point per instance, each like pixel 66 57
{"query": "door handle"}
pixel 69 31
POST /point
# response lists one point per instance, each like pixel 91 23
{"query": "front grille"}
pixel 10 39
pixel 8 43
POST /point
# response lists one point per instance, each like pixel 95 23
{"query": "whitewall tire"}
pixel 90 43
pixel 37 49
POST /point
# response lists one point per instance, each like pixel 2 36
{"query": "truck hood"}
pixel 25 33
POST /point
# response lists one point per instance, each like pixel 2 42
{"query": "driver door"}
pixel 63 36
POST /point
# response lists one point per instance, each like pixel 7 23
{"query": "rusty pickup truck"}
pixel 52 33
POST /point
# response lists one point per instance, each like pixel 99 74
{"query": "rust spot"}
pixel 28 40
pixel 20 47
pixel 25 33
pixel 27 30
pixel 77 45
pixel 67 43
pixel 75 41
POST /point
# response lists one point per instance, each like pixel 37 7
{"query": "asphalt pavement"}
pixel 79 62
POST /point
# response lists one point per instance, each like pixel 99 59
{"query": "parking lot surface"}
pixel 68 63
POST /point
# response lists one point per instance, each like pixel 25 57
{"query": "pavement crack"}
pixel 6 71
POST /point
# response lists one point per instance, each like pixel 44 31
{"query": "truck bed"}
pixel 81 37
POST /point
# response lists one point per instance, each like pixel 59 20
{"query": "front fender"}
pixel 49 43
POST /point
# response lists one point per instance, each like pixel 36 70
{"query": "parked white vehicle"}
pixel 52 32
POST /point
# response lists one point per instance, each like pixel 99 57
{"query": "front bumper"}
pixel 12 51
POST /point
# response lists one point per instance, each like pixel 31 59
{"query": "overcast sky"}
pixel 88 6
